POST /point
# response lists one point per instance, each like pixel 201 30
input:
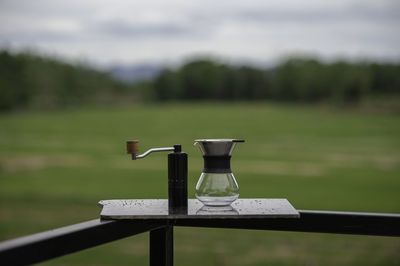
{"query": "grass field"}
pixel 55 167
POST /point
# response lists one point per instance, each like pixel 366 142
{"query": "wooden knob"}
pixel 132 146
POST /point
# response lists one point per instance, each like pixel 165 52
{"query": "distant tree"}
pixel 385 78
pixel 14 89
pixel 296 79
pixel 202 79
pixel 30 80
pixel 168 86
pixel 253 83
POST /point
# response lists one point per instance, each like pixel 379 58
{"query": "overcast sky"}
pixel 165 31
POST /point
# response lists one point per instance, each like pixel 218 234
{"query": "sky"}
pixel 171 31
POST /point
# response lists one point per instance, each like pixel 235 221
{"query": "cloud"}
pixel 388 13
pixel 124 29
pixel 108 31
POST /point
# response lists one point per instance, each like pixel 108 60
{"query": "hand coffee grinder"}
pixel 177 174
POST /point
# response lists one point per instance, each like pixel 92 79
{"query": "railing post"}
pixel 162 246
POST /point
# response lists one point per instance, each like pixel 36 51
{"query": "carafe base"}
pixel 217 201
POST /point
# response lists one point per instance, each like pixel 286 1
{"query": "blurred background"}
pixel 312 86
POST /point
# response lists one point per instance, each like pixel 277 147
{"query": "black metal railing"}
pixel 65 240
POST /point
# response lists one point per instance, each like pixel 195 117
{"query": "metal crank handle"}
pixel 132 147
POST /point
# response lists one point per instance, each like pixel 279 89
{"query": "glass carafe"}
pixel 217 185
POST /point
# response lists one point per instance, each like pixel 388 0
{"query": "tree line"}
pixel 297 79
pixel 28 80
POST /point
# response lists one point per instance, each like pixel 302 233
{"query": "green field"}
pixel 56 166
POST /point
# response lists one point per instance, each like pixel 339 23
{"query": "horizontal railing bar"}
pixel 357 223
pixel 65 240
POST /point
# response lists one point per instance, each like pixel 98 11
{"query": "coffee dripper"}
pixel 217 185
